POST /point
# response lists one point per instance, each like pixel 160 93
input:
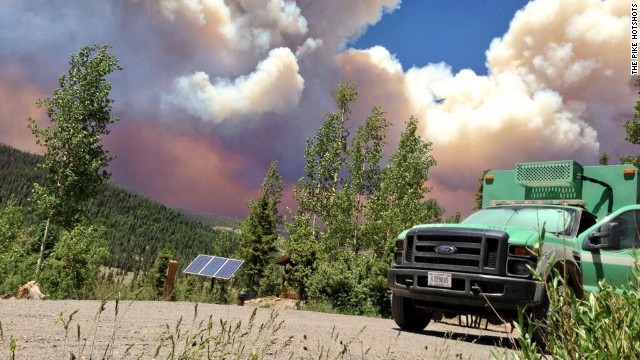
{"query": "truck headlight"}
pixel 518 267
pixel 397 258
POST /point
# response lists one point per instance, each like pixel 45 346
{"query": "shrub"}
pixel 72 269
pixel 603 325
pixel 17 262
pixel 158 273
pixel 271 281
pixel 352 285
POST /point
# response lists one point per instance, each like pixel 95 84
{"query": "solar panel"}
pixel 198 264
pixel 213 266
pixel 229 268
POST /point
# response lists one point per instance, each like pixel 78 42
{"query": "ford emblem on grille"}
pixel 446 249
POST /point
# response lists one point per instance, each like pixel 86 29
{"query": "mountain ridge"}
pixel 138 228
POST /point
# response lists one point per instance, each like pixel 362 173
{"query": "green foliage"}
pixel 271 281
pixel 139 286
pixel 190 288
pixel 400 202
pixel 114 284
pixel 630 159
pixel 324 223
pixel 158 273
pixel 11 222
pixel 136 227
pixel 454 219
pixel 302 246
pixel 604 159
pixel 330 283
pixel 74 159
pixel 260 230
pixel 16 259
pixel 632 127
pixel 73 266
pixel 18 269
pixel 222 292
pixel 18 172
pixel 139 228
pixel 352 284
pixel 351 207
pixel 604 325
pixel 479 190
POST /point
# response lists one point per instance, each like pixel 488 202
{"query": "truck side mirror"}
pixel 607 238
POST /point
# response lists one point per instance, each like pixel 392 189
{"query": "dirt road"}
pixel 137 329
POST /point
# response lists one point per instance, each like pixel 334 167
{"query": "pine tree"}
pixel 158 274
pixel 260 230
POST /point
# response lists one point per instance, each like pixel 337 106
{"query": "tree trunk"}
pixel 43 245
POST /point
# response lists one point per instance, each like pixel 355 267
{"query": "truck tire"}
pixel 406 316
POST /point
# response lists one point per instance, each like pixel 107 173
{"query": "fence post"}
pixel 170 279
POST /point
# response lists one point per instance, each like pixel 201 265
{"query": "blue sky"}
pixel 430 31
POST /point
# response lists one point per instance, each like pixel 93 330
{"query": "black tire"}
pixel 406 316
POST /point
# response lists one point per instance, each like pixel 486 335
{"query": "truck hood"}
pixel 517 235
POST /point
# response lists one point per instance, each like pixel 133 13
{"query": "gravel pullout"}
pixel 137 330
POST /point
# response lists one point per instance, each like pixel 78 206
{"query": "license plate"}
pixel 439 279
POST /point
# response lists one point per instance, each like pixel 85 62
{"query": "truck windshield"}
pixel 559 221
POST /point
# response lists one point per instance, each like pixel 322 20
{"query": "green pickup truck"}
pixel 587 216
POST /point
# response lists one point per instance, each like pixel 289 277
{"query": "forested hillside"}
pixel 137 228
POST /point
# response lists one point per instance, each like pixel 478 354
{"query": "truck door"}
pixel 613 264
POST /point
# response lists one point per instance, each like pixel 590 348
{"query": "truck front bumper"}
pixel 468 291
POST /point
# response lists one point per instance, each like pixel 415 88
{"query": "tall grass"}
pixel 196 337
pixel 199 339
pixel 9 344
pixel 603 325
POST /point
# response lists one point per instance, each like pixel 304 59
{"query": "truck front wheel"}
pixel 407 316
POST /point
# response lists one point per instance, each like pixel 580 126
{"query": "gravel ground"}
pixel 140 326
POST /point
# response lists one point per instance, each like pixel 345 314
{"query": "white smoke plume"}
pixel 274 86
pixel 243 24
pixel 557 87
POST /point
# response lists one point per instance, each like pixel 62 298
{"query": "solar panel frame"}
pixel 198 264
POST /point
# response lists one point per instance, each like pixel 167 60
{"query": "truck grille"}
pixel 459 249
